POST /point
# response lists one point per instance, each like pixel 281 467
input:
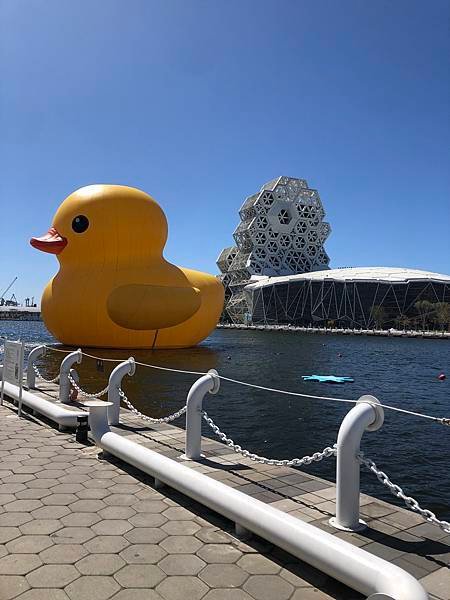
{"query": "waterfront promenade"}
pixel 76 526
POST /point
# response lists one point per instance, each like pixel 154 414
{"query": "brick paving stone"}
pixel 50 512
pixel 312 594
pixel 97 483
pixel 42 483
pixel 100 564
pixel 180 564
pixel 149 506
pixel 72 535
pixel 116 512
pixel 92 494
pixel 80 519
pixel 212 536
pixel 59 499
pixel 178 513
pixel 181 544
pixel 33 494
pixel 44 594
pixel 92 587
pixel 19 564
pixel 223 575
pixel 112 527
pixel 106 544
pixel 181 588
pixel 181 527
pixel 268 587
pixel 438 583
pixel 29 544
pixel 120 500
pixel 140 576
pixel 255 564
pixel 67 488
pixel 227 594
pixel 23 505
pixel 70 554
pixel 137 594
pixel 52 576
pixel 219 553
pixel 8 533
pixel 143 554
pixel 11 586
pixel 145 535
pixel 147 520
pixel 90 506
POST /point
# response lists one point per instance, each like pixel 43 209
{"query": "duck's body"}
pixel 114 288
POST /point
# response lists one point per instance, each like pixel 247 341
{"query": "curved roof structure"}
pixel 352 274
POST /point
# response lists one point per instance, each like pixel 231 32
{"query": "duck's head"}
pixel 105 224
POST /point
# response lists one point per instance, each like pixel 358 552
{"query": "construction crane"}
pixel 2 297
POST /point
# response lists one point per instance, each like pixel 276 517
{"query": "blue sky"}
pixel 200 102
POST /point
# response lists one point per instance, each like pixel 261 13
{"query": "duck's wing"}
pixel 141 307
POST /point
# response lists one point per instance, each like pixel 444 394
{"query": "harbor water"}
pixel 400 372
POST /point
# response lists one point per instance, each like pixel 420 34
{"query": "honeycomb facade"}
pixel 281 232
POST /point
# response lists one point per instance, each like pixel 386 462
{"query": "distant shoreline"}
pixel 20 313
pixel 341 331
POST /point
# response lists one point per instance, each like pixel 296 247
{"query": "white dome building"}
pixel 352 297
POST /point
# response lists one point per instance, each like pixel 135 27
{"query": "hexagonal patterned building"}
pixel 281 232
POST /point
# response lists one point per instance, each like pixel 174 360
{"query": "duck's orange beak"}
pixel 50 242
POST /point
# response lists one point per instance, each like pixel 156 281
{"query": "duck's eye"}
pixel 80 224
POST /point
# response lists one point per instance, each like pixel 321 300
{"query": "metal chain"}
pixel 397 491
pixel 294 462
pixel 134 410
pixel 39 374
pixel 82 392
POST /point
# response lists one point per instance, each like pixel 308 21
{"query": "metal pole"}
pixel 208 383
pixel 64 370
pixel 32 358
pixel 355 567
pixel 127 367
pixel 366 415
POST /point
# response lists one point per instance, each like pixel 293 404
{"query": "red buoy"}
pixel 441 376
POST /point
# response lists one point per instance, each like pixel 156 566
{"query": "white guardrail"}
pixel 356 568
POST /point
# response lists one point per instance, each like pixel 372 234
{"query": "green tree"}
pixel 442 314
pixel 402 321
pixel 425 308
pixel 379 316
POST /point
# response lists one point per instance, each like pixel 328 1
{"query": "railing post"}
pixel 64 383
pixel 366 415
pixel 127 367
pixel 207 383
pixel 32 358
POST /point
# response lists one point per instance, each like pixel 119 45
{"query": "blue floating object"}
pixel 328 379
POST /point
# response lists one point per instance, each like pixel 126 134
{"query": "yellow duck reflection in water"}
pixel 114 288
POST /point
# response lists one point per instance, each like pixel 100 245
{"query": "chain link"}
pixel 134 410
pixel 294 462
pixel 39 374
pixel 82 392
pixel 397 491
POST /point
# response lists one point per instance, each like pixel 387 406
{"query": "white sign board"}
pixel 13 367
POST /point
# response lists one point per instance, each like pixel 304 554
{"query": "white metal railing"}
pixel 366 415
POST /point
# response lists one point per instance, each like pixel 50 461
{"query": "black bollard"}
pixel 81 433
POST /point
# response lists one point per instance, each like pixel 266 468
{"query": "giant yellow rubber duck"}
pixel 114 288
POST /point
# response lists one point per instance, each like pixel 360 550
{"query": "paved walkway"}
pixel 73 526
pixel 76 527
